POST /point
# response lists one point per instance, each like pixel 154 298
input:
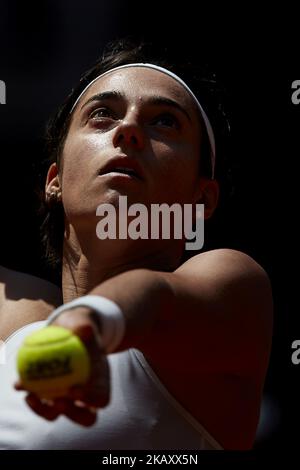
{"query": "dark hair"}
pixel 198 78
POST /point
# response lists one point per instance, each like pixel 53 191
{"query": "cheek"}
pixel 76 172
pixel 81 157
pixel 179 169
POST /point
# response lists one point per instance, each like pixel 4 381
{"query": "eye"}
pixel 101 113
pixel 166 120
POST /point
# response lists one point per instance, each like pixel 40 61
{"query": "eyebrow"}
pixel 106 95
pixel 153 100
pixel 161 100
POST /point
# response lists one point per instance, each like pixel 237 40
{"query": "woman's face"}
pixel 137 117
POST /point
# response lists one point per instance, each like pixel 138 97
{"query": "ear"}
pixel 207 193
pixel 52 180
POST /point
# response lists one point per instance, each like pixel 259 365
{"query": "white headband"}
pixel 209 129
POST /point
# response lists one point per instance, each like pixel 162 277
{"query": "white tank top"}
pixel 142 414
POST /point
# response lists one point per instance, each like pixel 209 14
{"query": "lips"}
pixel 123 165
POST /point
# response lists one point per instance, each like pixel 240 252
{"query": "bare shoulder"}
pixel 233 283
pixel 224 272
pixel 224 261
pixel 24 299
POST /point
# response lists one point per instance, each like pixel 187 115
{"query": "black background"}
pixel 44 47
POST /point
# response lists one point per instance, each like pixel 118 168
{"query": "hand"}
pixel 81 402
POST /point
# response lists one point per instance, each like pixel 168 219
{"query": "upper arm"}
pixel 222 316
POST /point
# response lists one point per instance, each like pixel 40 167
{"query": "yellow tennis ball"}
pixel 52 360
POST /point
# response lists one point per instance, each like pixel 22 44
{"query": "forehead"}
pixel 140 83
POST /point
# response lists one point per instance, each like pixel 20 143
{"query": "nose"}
pixel 129 133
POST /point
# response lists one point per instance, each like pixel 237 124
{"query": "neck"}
pixel 84 270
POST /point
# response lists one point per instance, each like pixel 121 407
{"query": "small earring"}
pixel 53 197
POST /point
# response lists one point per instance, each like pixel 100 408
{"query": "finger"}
pixel 42 408
pixel 18 386
pixel 80 414
pixel 90 397
pixel 61 404
pixel 96 392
